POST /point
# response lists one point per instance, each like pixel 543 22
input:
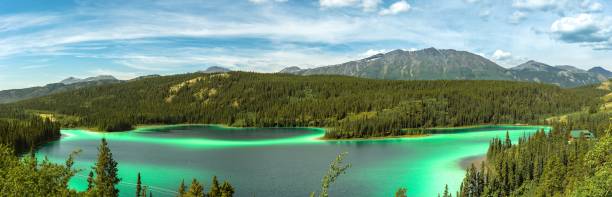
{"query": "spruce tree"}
pixel 138 186
pixel 106 172
pixel 401 192
pixel 196 189
pixel 90 180
pixel 181 189
pixel 214 188
pixel 227 190
pixel 446 193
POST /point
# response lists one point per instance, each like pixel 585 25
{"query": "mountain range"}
pixel 73 80
pixel 215 69
pixel 425 64
pixel 601 71
pixel 71 83
pixel 449 64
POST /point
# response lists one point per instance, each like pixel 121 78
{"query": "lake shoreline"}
pixel 323 138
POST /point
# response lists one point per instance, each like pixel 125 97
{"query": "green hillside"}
pixel 352 107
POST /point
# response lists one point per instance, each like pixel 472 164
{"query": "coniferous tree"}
pixel 227 190
pixel 90 180
pixel 401 192
pixel 214 188
pixel 106 172
pixel 181 189
pixel 446 193
pixel 196 189
pixel 138 186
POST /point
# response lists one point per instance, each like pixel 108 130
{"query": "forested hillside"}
pixel 544 165
pixel 23 131
pixel 8 96
pixel 352 107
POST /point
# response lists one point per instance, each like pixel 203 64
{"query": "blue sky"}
pixel 43 42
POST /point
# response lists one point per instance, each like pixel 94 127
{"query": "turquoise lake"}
pixel 281 162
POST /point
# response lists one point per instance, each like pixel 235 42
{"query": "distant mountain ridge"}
pixel 564 76
pixel 449 64
pixel 426 64
pixel 215 69
pixel 71 83
pixel 72 80
pixel 601 71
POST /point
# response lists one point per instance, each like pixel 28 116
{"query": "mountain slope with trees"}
pixel 350 107
pixel 7 96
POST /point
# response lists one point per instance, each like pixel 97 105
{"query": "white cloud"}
pixel 153 63
pixel 370 5
pixel 337 3
pixel 500 55
pixel 372 52
pixel 505 58
pixel 191 59
pixel 396 8
pixel 517 17
pixel 584 28
pixel 366 5
pixel 591 6
pixel 537 4
pixel 129 25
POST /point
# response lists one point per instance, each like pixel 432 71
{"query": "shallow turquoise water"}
pixel 279 162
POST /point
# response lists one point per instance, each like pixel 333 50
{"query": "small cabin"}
pixel 577 134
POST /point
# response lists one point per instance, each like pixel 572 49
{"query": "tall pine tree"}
pixel 138 186
pixel 106 172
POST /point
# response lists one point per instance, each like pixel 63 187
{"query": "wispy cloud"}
pixel 22 21
pixel 165 37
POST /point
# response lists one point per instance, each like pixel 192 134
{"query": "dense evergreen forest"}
pixel 545 164
pixel 549 164
pixel 24 131
pixel 350 107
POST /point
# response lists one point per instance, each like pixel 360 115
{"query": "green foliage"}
pixel 214 188
pixel 195 190
pixel 90 179
pixel 544 165
pixel 336 168
pixel 23 132
pixel 106 172
pixel 350 107
pixel 28 176
pixel 139 186
pixel 446 193
pixel 181 190
pixel 227 190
